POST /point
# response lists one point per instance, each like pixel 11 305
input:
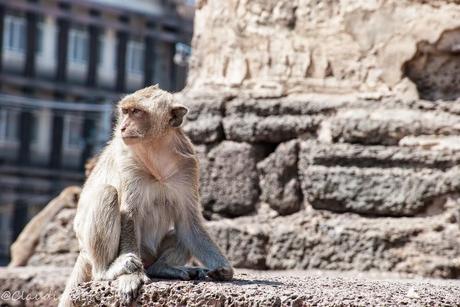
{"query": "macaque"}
pixel 139 214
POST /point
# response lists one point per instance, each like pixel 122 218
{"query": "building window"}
pixel 5 229
pixel 135 57
pixel 40 37
pixel 78 46
pixel 73 133
pixel 15 33
pixel 8 126
pixel 35 124
pixel 100 50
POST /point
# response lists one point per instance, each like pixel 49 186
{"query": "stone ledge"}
pixel 32 286
pixel 250 288
pixel 281 289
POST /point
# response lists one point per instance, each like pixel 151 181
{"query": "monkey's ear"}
pixel 178 112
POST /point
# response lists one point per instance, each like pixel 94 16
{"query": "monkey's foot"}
pixel 125 264
pixel 221 274
pixel 129 285
pixel 170 272
pixel 197 273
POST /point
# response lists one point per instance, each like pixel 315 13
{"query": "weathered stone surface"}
pixel 41 286
pixel 274 120
pixel 300 104
pixel 273 129
pixel 424 68
pixel 275 47
pixel 207 129
pixel 313 239
pixel 268 289
pixel 352 155
pixel 229 185
pixel 391 192
pixel 348 242
pixel 274 289
pixel 245 245
pixel 58 244
pixel 279 179
pixel 376 180
pixel 435 142
pixel 32 286
pixel 204 119
pixel 47 232
pixel 389 126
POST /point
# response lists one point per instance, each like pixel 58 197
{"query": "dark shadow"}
pixel 245 282
pixel 435 67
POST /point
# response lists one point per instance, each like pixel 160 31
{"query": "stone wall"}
pixel 331 182
pixel 329 132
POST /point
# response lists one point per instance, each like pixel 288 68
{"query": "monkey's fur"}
pixel 139 213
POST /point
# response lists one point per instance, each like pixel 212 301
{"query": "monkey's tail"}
pixel 80 273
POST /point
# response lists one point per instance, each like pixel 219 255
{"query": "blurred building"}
pixel 63 65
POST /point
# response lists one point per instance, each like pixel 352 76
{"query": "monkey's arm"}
pixel 128 260
pixel 192 234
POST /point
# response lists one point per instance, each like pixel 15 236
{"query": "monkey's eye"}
pixel 124 111
pixel 136 112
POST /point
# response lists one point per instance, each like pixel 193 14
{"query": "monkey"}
pixel 138 216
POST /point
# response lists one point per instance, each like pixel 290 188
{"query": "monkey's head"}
pixel 148 114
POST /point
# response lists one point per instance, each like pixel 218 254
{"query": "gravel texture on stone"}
pixel 32 285
pixel 42 286
pixel 280 289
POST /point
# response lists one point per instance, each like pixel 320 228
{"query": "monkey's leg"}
pixel 172 259
pixel 81 272
pixel 102 231
pixel 112 247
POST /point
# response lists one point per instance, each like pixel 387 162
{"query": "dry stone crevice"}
pixel 279 181
pixel 434 68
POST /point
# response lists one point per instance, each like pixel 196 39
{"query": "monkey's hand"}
pixel 129 285
pixel 128 263
pixel 222 273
